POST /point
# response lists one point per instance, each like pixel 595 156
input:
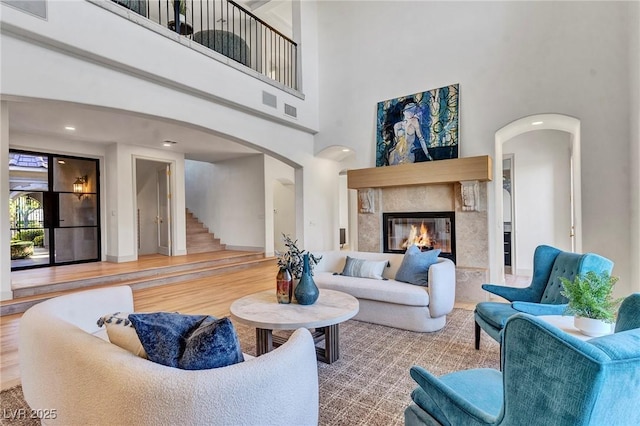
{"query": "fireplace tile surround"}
pixel 471 228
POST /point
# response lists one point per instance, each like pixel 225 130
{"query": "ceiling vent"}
pixel 269 99
pixel 291 111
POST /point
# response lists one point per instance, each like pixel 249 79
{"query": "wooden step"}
pixel 27 297
pixel 197 231
pixel 202 238
pixel 205 249
pixel 148 274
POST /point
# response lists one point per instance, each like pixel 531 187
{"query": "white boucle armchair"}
pixel 70 371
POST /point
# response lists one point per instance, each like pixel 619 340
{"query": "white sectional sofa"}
pixel 390 302
pixel 74 377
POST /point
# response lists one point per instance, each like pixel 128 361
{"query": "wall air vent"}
pixel 269 99
pixel 291 111
pixel 33 7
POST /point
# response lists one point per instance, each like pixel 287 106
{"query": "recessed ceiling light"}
pixel 61 162
pixel 70 128
pixel 169 143
pixel 537 123
pixel 346 150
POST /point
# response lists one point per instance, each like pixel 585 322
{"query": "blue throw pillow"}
pixel 190 342
pixel 214 344
pixel 414 268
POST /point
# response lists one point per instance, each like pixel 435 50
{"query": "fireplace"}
pixel 427 230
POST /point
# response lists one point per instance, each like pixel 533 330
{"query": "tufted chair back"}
pixel 629 313
pixel 569 265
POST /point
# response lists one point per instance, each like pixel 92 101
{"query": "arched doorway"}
pixel 526 124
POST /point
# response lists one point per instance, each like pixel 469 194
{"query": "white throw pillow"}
pixel 121 333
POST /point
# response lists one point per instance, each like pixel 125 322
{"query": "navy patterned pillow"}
pixel 189 342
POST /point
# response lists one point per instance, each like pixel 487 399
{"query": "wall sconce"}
pixel 78 186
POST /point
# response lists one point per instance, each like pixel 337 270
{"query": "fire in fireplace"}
pixel 427 230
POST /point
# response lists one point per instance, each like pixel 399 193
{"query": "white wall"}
pixel 511 59
pixel 634 157
pixel 5 237
pixel 239 198
pixel 541 189
pixel 321 205
pixel 280 203
pixel 199 186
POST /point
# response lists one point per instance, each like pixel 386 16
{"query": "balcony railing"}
pixel 227 28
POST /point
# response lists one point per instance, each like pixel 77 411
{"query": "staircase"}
pixel 199 239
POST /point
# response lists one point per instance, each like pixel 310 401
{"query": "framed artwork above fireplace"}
pixel 427 230
pixel 419 127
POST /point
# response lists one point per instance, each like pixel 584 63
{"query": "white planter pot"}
pixel 592 327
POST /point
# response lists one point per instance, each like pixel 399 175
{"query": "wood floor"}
pixel 211 295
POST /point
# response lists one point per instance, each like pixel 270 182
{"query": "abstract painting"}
pixel 418 127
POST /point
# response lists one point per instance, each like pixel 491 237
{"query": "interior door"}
pixel 164 212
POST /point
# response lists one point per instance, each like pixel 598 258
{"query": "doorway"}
pixel 54 207
pixel 284 212
pixel 568 236
pixel 508 216
pixel 153 207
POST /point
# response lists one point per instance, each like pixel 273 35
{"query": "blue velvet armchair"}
pixel 548 378
pixel 542 297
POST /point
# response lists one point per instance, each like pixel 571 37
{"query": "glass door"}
pixel 54 206
pixel 28 184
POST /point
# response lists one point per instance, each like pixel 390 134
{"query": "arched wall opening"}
pixel 526 124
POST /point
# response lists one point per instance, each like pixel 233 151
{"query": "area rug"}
pixel 370 383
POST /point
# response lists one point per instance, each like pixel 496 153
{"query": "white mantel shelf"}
pixel 424 173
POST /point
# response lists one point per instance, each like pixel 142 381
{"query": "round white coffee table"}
pixel 262 311
pixel 565 323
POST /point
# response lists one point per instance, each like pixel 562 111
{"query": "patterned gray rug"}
pixel 370 383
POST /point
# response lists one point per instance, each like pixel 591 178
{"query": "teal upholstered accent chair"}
pixel 629 313
pixel 548 378
pixel 542 297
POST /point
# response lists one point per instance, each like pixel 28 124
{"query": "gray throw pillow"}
pixel 414 268
pixel 189 342
pixel 364 268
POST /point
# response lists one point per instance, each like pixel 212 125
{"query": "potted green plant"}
pixel 591 302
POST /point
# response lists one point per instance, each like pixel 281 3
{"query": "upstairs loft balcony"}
pixel 229 29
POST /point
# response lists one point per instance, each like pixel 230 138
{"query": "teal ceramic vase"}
pixel 306 291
